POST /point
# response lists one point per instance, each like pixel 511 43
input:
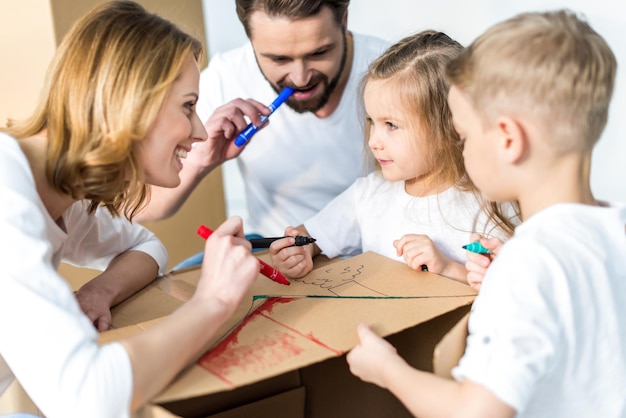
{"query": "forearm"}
pixel 423 394
pixel 128 273
pixel 455 271
pixel 165 202
pixel 171 345
pixel 427 395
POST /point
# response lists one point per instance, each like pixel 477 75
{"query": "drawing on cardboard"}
pixel 317 315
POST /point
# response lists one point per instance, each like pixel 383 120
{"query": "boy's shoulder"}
pixel 568 218
pixel 568 234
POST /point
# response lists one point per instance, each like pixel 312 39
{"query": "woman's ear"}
pixel 513 144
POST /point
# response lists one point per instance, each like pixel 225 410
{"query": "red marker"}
pixel 266 270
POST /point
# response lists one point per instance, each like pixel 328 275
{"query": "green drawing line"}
pixel 257 297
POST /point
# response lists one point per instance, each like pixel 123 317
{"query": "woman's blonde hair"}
pixel 416 69
pixel 103 91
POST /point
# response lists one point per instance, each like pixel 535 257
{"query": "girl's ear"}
pixel 513 144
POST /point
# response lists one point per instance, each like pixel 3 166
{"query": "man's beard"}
pixel 316 103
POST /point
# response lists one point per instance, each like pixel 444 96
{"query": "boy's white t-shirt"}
pixel 548 328
pixel 374 212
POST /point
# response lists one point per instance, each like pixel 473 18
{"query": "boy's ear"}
pixel 513 139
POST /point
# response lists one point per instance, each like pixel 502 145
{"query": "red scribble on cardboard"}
pixel 263 353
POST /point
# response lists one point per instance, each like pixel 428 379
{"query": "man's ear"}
pixel 513 143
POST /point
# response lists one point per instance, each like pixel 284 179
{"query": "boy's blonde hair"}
pixel 102 93
pixel 551 68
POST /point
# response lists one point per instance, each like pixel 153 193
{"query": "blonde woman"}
pixel 117 112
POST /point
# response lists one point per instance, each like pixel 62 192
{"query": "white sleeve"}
pixel 95 240
pixel 336 227
pixel 514 335
pixel 47 342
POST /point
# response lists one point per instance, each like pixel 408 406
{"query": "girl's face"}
pixel 395 140
pixel 176 127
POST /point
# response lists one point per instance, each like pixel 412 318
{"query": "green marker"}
pixel 476 247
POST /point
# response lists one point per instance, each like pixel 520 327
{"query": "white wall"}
pixel 464 20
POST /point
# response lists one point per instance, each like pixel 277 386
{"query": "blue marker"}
pixel 476 247
pixel 250 130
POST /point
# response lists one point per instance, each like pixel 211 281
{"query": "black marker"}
pixel 265 242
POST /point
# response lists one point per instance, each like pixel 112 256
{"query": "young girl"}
pixel 117 112
pixel 418 206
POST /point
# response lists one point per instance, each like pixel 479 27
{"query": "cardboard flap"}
pixel 281 328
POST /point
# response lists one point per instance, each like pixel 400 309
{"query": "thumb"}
pixel 231 226
pixel 364 332
pixel 290 231
pixel 492 244
pixel 397 245
pixel 102 324
pixel 476 237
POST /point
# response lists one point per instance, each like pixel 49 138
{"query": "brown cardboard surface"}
pixel 15 400
pixel 230 401
pixel 288 404
pixel 279 328
pixel 450 349
pixel 332 391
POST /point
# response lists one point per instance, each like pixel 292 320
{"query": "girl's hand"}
pixel 294 262
pixel 368 359
pixel 477 264
pixel 418 250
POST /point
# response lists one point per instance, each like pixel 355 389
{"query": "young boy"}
pixel 530 98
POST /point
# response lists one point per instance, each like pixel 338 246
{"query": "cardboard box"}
pixel 283 352
pixel 284 338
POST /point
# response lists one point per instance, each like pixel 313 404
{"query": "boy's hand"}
pixel 477 264
pixel 292 261
pixel 369 358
